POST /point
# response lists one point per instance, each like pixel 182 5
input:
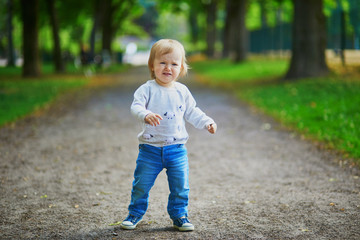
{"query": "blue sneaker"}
pixel 130 222
pixel 183 224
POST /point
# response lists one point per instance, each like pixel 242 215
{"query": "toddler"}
pixel 162 105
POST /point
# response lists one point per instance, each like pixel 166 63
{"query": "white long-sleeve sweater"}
pixel 175 105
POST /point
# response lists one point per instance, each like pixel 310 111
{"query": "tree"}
pixel 308 40
pixel 108 25
pixel 263 11
pixel 211 9
pixel 11 50
pixel 235 34
pixel 30 19
pixel 115 12
pixel 241 32
pixel 74 16
pixel 97 20
pixel 228 42
pixel 195 10
pixel 193 24
pixel 57 56
pixel 264 25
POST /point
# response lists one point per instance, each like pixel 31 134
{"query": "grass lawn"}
pixel 324 109
pixel 224 71
pixel 19 97
pixel 48 69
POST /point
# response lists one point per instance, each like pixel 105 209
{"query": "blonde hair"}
pixel 165 46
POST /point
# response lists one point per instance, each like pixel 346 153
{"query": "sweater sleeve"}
pixel 139 104
pixel 195 115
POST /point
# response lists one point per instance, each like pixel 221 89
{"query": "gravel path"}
pixel 67 174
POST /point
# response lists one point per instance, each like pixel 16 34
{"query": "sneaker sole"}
pixel 184 229
pixel 127 227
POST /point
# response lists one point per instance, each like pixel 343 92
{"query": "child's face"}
pixel 167 68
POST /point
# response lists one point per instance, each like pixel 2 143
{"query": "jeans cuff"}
pixel 179 216
pixel 136 214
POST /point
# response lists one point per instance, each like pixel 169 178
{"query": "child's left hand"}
pixel 212 128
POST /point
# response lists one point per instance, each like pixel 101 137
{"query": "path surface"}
pixel 67 175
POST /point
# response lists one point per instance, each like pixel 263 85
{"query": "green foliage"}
pixel 172 26
pixel 21 97
pixel 274 11
pixel 324 109
pixel 253 21
pixel 76 20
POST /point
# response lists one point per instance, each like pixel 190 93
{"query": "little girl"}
pixel 162 105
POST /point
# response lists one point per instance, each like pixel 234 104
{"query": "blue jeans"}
pixel 150 162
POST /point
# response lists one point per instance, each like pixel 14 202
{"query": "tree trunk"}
pixel 308 40
pixel 343 36
pixel 211 28
pixel 30 18
pixel 107 26
pixel 235 34
pixel 264 25
pixel 263 13
pixel 57 57
pixel 228 30
pixel 240 31
pixel 194 26
pixel 11 50
pixel 96 23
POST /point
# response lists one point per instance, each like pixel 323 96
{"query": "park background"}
pixel 297 61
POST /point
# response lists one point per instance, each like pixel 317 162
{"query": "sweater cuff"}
pixel 143 115
pixel 209 123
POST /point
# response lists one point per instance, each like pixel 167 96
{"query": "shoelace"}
pixel 184 220
pixel 133 219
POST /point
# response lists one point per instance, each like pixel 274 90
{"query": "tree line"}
pixel 108 18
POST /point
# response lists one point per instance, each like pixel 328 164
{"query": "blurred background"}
pixel 104 32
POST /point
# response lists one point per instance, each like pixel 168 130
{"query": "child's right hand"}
pixel 153 119
pixel 212 128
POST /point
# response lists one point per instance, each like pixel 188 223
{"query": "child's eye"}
pixel 162 62
pixel 174 64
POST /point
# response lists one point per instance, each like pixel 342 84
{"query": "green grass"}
pixel 47 69
pixel 21 97
pixel 223 70
pixel 9 71
pixel 324 109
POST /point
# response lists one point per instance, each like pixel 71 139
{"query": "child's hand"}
pixel 212 128
pixel 153 119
